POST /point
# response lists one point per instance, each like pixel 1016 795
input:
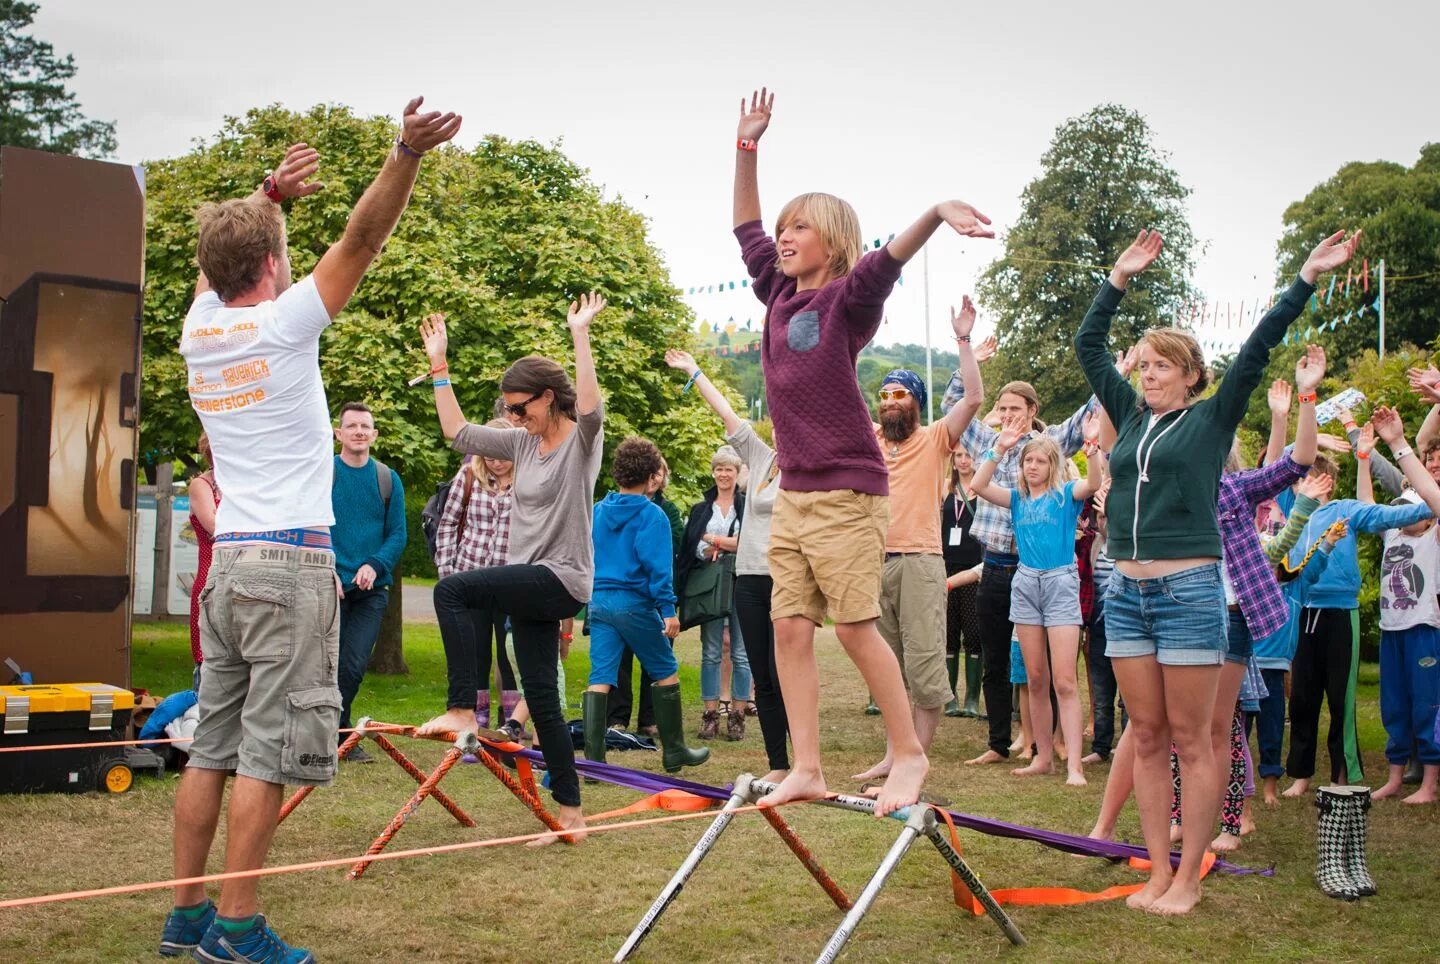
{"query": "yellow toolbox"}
pixel 65 713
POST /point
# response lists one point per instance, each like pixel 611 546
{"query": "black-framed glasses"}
pixel 518 409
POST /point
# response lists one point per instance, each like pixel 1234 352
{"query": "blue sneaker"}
pixel 182 934
pixel 257 945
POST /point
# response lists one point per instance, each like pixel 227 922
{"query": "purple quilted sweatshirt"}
pixel 824 438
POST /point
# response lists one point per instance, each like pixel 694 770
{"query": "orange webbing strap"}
pixel 676 800
pixel 1044 896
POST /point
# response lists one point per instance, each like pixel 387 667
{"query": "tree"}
pixel 1101 181
pixel 36 110
pixel 499 238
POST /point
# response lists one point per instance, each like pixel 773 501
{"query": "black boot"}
pixel 974 672
pixel 1357 806
pixel 675 754
pixel 952 671
pixel 595 707
pixel 1330 841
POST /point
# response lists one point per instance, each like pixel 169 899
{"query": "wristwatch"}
pixel 272 189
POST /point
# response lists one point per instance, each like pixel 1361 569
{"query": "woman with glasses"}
pixel 556 449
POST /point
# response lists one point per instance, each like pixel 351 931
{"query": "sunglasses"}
pixel 894 394
pixel 518 409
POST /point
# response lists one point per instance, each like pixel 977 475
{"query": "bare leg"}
pixel 1272 798
pixel 1143 688
pixel 197 813
pixel 249 827
pixel 1064 641
pixel 881 670
pixel 1042 722
pixel 800 688
pixel 1117 788
pixel 1428 792
pixel 1189 702
pixel 1393 785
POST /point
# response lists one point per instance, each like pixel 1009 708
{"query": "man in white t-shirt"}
pixel 268 699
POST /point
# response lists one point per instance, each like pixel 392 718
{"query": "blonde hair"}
pixel 482 472
pixel 1180 349
pixel 834 221
pixel 235 237
pixel 1046 445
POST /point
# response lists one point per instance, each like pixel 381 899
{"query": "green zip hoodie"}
pixel 1166 474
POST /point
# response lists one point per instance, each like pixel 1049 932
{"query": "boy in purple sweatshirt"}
pixel 824 302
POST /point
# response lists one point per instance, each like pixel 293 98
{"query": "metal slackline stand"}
pixel 918 819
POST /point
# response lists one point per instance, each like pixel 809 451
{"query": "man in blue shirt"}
pixel 369 535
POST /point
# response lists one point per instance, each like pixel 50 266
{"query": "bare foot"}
pixel 1247 820
pixel 1025 754
pixel 1062 752
pixel 797 785
pixel 1018 745
pixel 1177 831
pixel 1391 788
pixel 570 818
pixel 1099 833
pixel 1090 758
pixel 1225 843
pixel 1272 799
pixel 1179 899
pixel 879 770
pixel 1075 778
pixel 1153 890
pixel 453 720
pixel 902 786
pixel 1089 733
pixel 775 776
pixel 1423 795
pixel 1036 768
pixel 989 756
pixel 1297 789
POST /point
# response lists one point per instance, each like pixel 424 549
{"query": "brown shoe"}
pixel 709 725
pixel 735 725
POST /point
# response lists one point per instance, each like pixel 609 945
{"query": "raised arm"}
pixel 1279 401
pixel 1094 474
pixel 752 125
pixel 1390 478
pixel 379 208
pixel 961 413
pixel 981 484
pixel 1310 491
pixel 1389 427
pixel 961 216
pixel 1364 449
pixel 1309 369
pixel 1114 390
pixel 432 333
pixel 587 387
pixel 719 404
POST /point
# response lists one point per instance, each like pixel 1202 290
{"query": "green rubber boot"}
pixel 674 753
pixel 870 708
pixel 974 673
pixel 952 671
pixel 595 707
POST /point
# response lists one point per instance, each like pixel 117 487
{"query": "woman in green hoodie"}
pixel 1165 608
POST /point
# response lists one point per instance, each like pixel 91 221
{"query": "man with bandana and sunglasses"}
pixel 913 584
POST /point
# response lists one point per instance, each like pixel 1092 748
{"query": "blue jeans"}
pixel 712 642
pixel 1102 687
pixel 619 619
pixel 361 612
pixel 1270 723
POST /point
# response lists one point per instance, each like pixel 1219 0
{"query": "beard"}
pixel 899 424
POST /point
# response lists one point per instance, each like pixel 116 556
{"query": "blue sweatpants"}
pixel 1410 692
pixel 618 619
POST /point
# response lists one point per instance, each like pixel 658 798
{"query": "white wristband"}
pixel 1401 453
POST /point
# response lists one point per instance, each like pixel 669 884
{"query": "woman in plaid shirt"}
pixel 474 533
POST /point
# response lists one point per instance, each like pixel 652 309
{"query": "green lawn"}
pixel 750 901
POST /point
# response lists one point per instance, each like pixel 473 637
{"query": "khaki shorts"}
pixel 912 620
pixel 826 552
pixel 270 633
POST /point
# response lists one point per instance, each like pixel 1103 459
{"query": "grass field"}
pixel 750 900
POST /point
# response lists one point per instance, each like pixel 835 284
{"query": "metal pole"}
pixel 872 889
pixel 929 366
pixel 963 871
pixel 1382 308
pixel 738 798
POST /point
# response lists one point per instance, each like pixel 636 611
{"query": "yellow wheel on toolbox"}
pixel 117 778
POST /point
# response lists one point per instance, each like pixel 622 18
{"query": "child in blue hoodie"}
pixel 634 603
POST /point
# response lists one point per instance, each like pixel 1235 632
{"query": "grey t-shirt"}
pixel 552 496
pixel 751 556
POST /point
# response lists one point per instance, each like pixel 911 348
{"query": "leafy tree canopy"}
pixel 36 110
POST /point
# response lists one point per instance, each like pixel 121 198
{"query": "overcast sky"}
pixel 893 106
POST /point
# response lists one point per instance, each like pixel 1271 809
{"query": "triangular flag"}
pixel 1349 273
pixel 1365 275
pixel 1331 293
pixel 744 282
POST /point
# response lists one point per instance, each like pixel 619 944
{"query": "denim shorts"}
pixel 1241 645
pixel 1046 597
pixel 1180 619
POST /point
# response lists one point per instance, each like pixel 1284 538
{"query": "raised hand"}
pixel 1091 429
pixel 1425 383
pixel 1365 441
pixel 1007 438
pixel 963 321
pixel 987 349
pixel 1316 486
pixel 1329 255
pixel 292 177
pixel 1279 397
pixel 1136 258
pixel 1309 369
pixel 1336 532
pixel 754 121
pixel 964 219
pixel 1126 361
pixel 1332 443
pixel 1388 426
pixel 583 312
pixel 682 360
pixel 421 132
pixel 1101 494
pixel 435 339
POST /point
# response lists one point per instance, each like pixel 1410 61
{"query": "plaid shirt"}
pixel 992 524
pixel 1251 575
pixel 486 539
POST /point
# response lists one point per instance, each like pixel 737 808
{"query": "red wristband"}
pixel 1307 397
pixel 746 144
pixel 443 368
pixel 1350 426
pixel 272 189
pixel 568 637
pixel 1362 456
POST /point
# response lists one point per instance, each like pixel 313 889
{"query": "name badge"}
pixel 957 535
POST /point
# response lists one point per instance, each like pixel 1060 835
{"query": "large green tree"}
pixel 1101 181
pixel 36 110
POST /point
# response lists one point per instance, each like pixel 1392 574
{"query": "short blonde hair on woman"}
pixel 726 455
pixel 834 221
pixel 1180 349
